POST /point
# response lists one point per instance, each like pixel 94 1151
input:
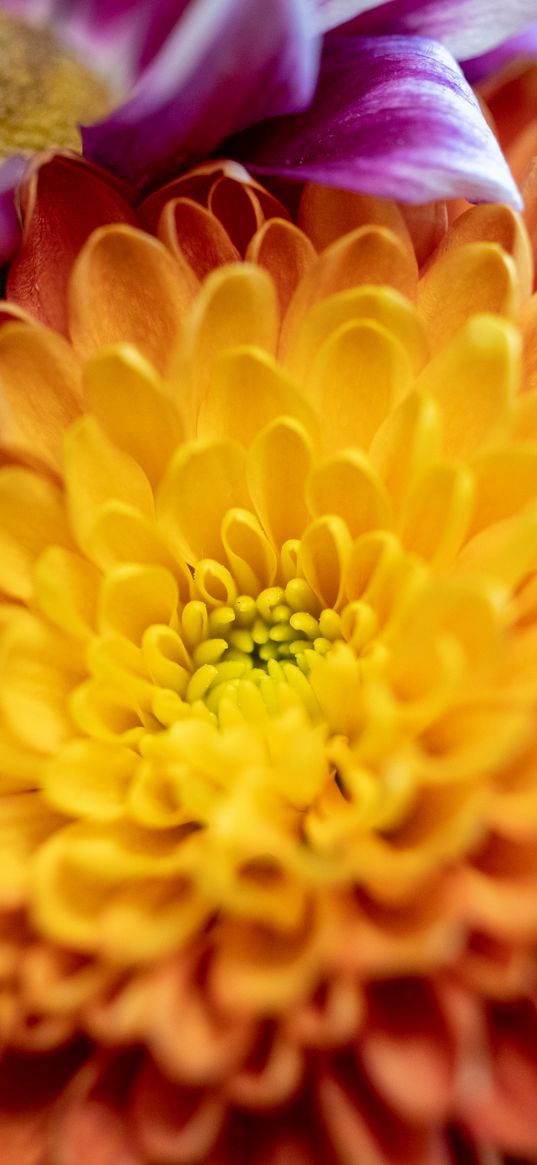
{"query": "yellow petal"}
pixel 380 304
pixel 40 668
pixel 89 779
pixel 20 766
pixel 108 713
pixel 324 553
pixel 93 893
pixel 203 481
pixel 39 392
pixel 505 551
pixel 406 443
pixel 506 481
pixel 96 472
pixel 125 394
pixel 438 513
pixel 357 375
pixel 133 598
pixel 32 517
pixel 236 305
pixel 252 560
pixel 474 379
pixel 525 417
pixel 347 487
pixel 25 822
pixel 278 465
pixel 246 391
pixel 123 534
pixel 66 588
pixel 122 279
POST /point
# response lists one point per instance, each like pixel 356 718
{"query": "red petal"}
pixel 63 200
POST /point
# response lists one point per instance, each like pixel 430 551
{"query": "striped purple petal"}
pixel 392 116
pixel 223 66
pixel 465 27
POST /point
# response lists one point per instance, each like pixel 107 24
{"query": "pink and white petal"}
pixel 523 46
pixel 331 14
pixel 35 11
pixel 119 36
pixel 225 65
pixel 392 116
pixel 465 27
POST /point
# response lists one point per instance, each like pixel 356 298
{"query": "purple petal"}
pixel 392 116
pixel 11 172
pixel 224 66
pixel 465 27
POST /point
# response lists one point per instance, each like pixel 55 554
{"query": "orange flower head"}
pixel 268 805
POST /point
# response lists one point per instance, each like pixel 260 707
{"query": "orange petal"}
pixel 285 252
pixel 426 225
pixel 494 224
pixel 126 287
pixel 174 1125
pixel 39 393
pixel 196 239
pixel 408 1050
pixel 326 213
pixel 236 206
pixel 529 335
pixel 368 255
pixel 477 277
pixel 236 305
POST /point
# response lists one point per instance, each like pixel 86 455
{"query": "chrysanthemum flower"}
pixel 156 85
pixel 268 549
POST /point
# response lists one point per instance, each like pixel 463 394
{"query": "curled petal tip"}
pixel 392 116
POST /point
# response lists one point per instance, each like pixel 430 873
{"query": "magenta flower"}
pixel 362 95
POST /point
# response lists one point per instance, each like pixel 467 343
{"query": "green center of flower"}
pixel 45 93
pixel 257 640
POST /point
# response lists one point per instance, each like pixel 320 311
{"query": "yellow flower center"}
pixel 45 93
pixel 251 639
